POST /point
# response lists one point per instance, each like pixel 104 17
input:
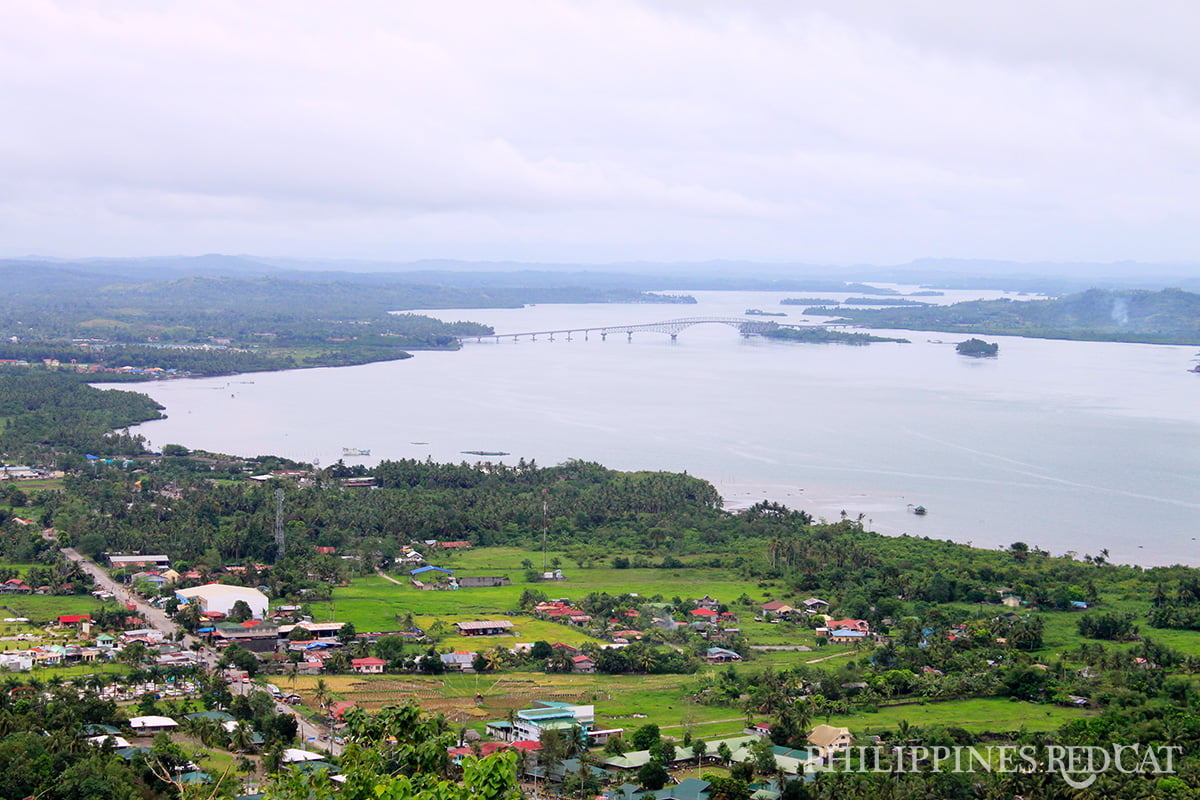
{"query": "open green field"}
pixel 995 714
pixel 629 701
pixel 46 608
pixel 80 670
pixel 622 701
pixel 373 603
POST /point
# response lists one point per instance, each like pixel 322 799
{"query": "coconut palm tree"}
pixel 321 694
pixel 241 738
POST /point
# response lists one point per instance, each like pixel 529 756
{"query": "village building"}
pixel 484 627
pixel 719 655
pixel 368 666
pixel 220 598
pixel 828 740
pixel 545 715
pixel 458 661
pixel 777 609
pixel 257 636
pixel 148 725
pixel 124 562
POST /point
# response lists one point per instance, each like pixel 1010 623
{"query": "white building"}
pixel 152 724
pixel 546 715
pixel 219 598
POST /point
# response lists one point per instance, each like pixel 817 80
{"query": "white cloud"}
pixel 594 131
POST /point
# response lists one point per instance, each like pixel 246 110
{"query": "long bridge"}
pixel 670 327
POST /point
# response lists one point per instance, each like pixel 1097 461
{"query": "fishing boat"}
pixel 355 451
pixel 918 510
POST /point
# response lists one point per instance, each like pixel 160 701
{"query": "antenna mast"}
pixel 278 525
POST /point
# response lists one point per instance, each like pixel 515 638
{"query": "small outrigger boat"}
pixel 918 510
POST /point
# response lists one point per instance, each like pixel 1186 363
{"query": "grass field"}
pixel 373 603
pixel 665 700
pixel 980 714
pixel 46 608
pixel 621 700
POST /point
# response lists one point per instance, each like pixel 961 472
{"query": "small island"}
pixel 977 348
pixel 758 312
pixel 815 335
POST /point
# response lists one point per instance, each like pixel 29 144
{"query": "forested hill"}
pixel 48 417
pixel 1170 316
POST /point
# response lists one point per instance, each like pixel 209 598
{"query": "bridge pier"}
pixel 569 336
pixel 603 337
pixel 674 336
pixel 629 334
pixel 552 337
pixel 585 336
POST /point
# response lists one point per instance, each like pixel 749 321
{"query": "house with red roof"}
pixel 582 663
pixel 368 666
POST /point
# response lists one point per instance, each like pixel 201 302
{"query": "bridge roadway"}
pixel 671 327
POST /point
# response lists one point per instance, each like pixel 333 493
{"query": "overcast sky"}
pixel 599 131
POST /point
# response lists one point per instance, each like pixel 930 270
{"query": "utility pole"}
pixel 545 524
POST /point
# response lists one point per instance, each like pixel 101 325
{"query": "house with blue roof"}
pixel 428 569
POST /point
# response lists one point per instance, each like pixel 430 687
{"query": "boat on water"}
pixel 918 510
pixel 484 452
pixel 355 451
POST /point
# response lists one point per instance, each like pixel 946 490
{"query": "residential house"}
pixel 777 609
pixel 829 740
pixel 719 655
pixel 583 664
pixel 849 624
pixel 459 661
pixel 484 627
pixel 149 725
pixel 847 636
pixel 368 666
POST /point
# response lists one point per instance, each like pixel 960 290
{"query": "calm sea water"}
pixel 1070 446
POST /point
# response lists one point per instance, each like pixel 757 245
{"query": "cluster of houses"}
pixel 18 586
pixel 84 648
pixel 523 731
pixel 429 577
pixel 22 472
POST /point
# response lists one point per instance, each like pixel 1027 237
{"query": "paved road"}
pixel 310 733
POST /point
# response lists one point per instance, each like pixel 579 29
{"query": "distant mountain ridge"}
pixel 1052 278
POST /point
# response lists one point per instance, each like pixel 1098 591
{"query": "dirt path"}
pixel 826 658
pixel 381 574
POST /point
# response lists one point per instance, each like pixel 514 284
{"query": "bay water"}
pixel 1069 446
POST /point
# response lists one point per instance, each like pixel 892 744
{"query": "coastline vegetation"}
pixel 1169 316
pixel 819 335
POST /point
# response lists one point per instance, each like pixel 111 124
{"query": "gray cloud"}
pixel 595 131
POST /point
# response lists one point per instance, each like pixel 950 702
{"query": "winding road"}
pixel 312 734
